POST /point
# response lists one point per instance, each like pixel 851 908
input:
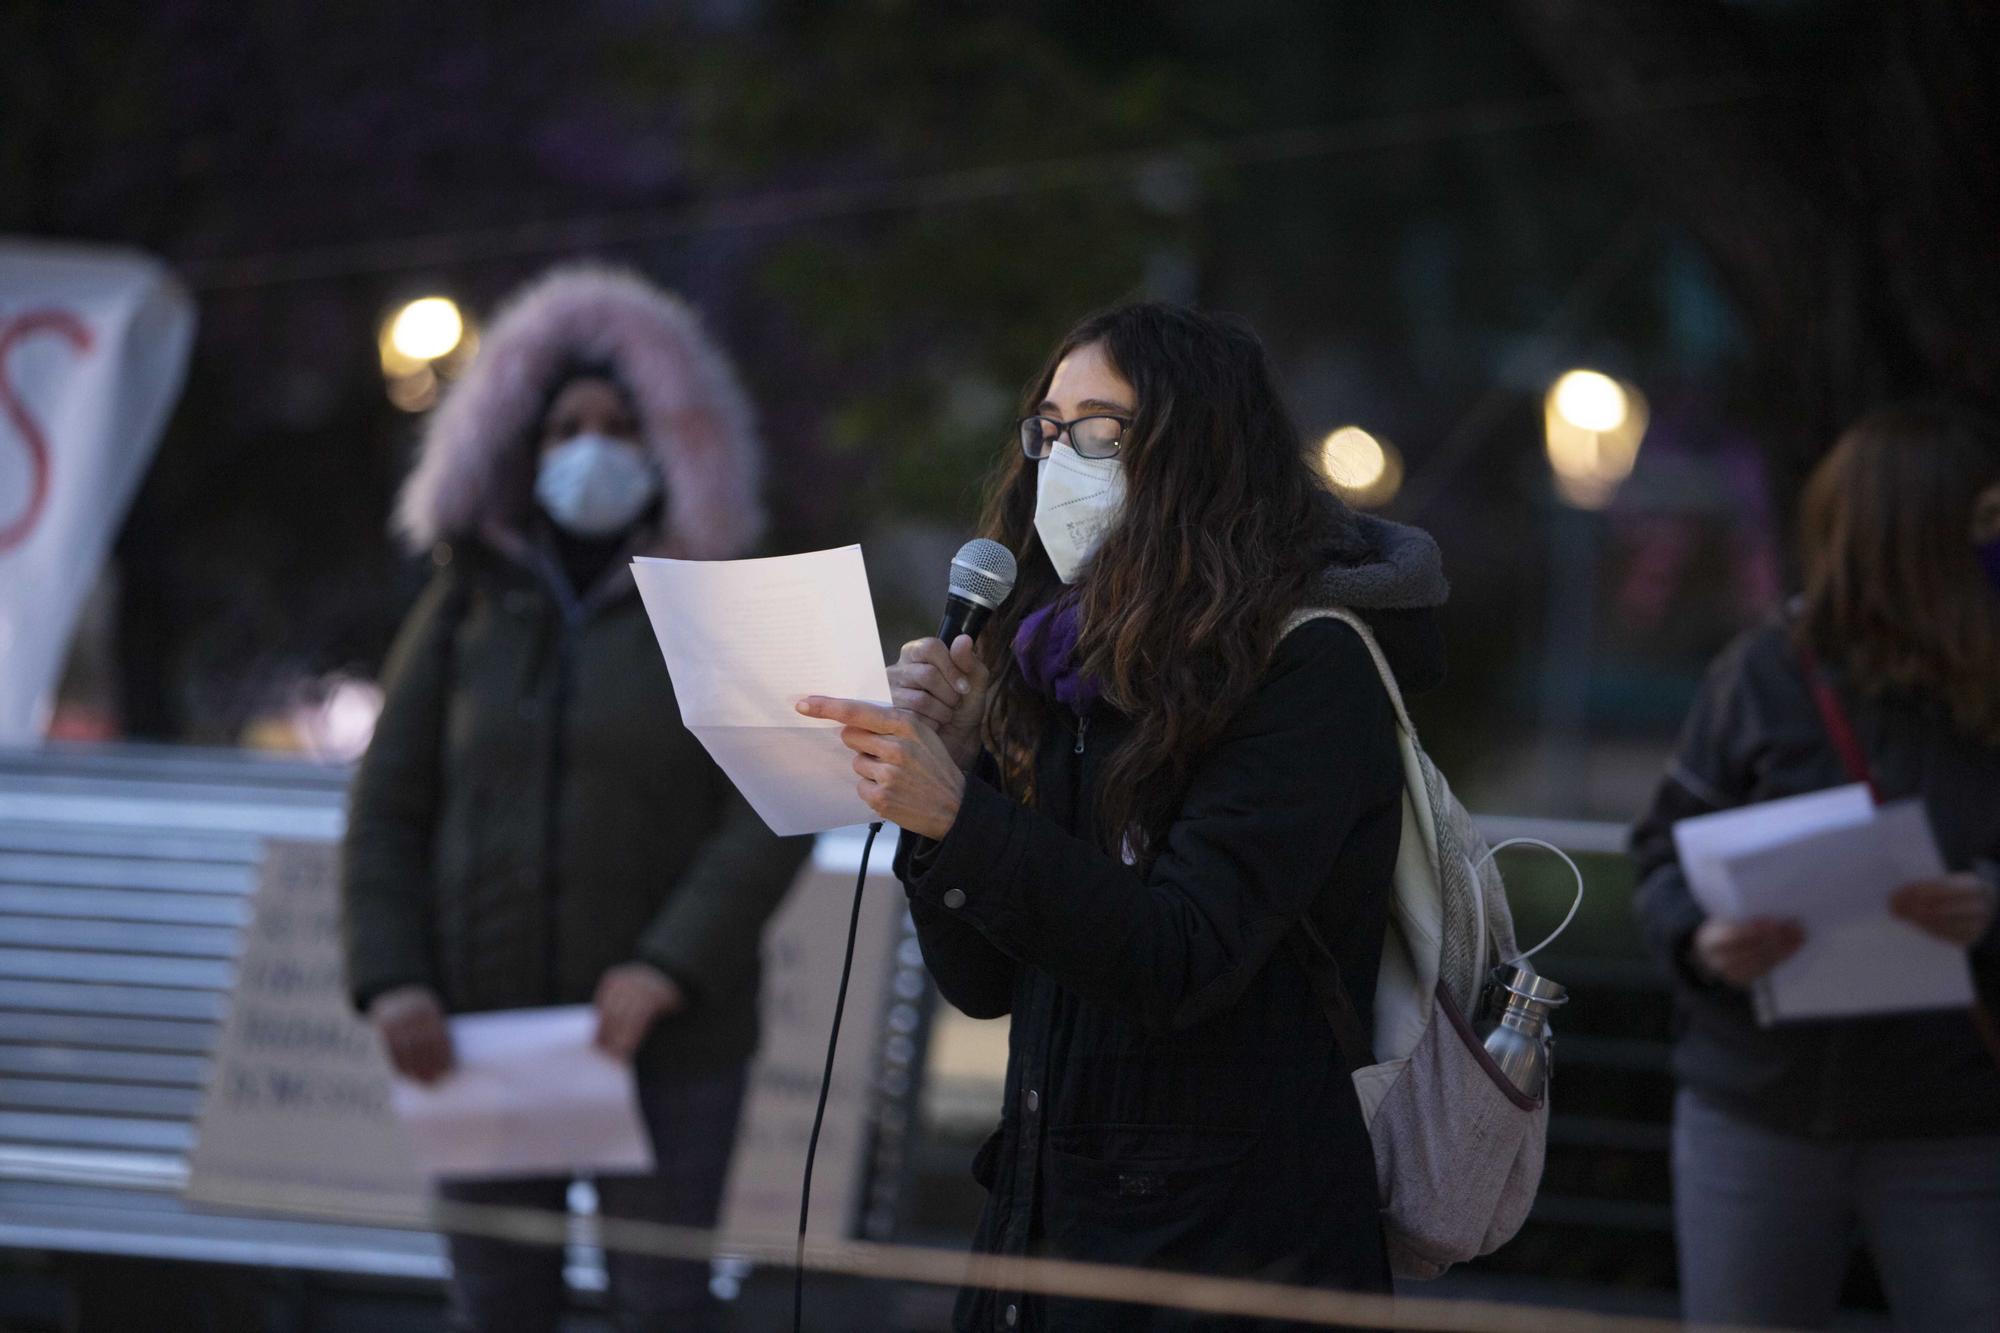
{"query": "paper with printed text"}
pixel 744 641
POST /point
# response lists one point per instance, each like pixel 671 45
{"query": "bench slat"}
pixel 62 997
pixel 77 1098
pixel 116 1034
pixel 177 909
pixel 82 1175
pixel 147 845
pixel 174 809
pixel 187 1071
pixel 130 760
pixel 127 872
pixel 117 937
pixel 96 1132
pixel 126 969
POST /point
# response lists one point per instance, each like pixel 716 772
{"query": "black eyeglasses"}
pixel 1091 437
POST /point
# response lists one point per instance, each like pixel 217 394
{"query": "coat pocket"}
pixel 1144 1194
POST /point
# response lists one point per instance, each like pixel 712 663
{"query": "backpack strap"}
pixel 1322 969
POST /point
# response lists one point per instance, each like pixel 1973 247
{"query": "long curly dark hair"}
pixel 1894 594
pixel 1226 526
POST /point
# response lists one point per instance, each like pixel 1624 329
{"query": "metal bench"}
pixel 124 881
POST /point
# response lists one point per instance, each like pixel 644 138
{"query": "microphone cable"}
pixel 825 1084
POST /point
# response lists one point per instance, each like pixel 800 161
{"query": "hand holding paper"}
pixel 1743 952
pixel 1856 958
pixel 530 1095
pixel 745 640
pixel 903 770
pixel 1829 861
pixel 1957 909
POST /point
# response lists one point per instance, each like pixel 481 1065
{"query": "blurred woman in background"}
pixel 1790 1139
pixel 532 824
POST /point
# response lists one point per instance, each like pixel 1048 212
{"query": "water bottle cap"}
pixel 1530 985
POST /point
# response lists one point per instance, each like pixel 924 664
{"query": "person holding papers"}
pixel 532 825
pixel 1122 803
pixel 1791 1138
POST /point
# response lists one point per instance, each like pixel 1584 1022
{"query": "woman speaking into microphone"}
pixel 1124 800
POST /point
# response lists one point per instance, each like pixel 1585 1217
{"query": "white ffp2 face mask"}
pixel 595 486
pixel 1077 501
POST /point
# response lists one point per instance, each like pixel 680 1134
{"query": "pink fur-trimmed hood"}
pixel 693 413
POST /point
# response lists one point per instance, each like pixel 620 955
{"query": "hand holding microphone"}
pixel 946 688
pixel 904 754
pixel 943 679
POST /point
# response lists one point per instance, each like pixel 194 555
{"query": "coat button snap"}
pixel 1033 1100
pixel 1013 1315
pixel 954 897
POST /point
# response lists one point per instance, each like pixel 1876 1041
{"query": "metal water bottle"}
pixel 1519 1042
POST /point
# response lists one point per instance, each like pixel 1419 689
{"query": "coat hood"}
pixel 694 416
pixel 1393 577
pixel 1394 566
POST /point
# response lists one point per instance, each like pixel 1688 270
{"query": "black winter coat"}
pixel 1756 735
pixel 1174 1094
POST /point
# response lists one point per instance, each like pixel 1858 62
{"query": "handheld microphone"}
pixel 982 574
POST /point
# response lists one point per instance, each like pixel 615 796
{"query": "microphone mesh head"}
pixel 983 571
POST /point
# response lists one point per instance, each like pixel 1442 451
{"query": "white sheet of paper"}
pixel 529 1095
pixel 1706 843
pixel 1856 959
pixel 744 641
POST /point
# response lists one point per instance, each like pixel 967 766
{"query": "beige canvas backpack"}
pixel 1458 1149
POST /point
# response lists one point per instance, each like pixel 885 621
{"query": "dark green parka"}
pixel 531 811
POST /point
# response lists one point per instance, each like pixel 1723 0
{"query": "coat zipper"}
pixel 1082 730
pixel 552 843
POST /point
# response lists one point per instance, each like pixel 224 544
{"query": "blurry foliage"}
pixel 931 195
pixel 920 319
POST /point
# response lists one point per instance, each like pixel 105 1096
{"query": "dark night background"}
pixel 1769 215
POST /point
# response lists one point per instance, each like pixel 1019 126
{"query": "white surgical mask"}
pixel 595 486
pixel 1077 500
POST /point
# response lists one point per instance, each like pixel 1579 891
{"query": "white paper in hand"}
pixel 1856 959
pixel 529 1095
pixel 1705 843
pixel 745 640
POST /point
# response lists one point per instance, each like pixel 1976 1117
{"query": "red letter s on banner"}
pixel 15 530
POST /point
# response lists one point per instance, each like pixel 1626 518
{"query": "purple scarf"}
pixel 1045 647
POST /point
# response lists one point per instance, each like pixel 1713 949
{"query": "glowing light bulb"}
pixel 427 329
pixel 1591 401
pixel 1353 458
pixel 1367 471
pixel 1592 426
